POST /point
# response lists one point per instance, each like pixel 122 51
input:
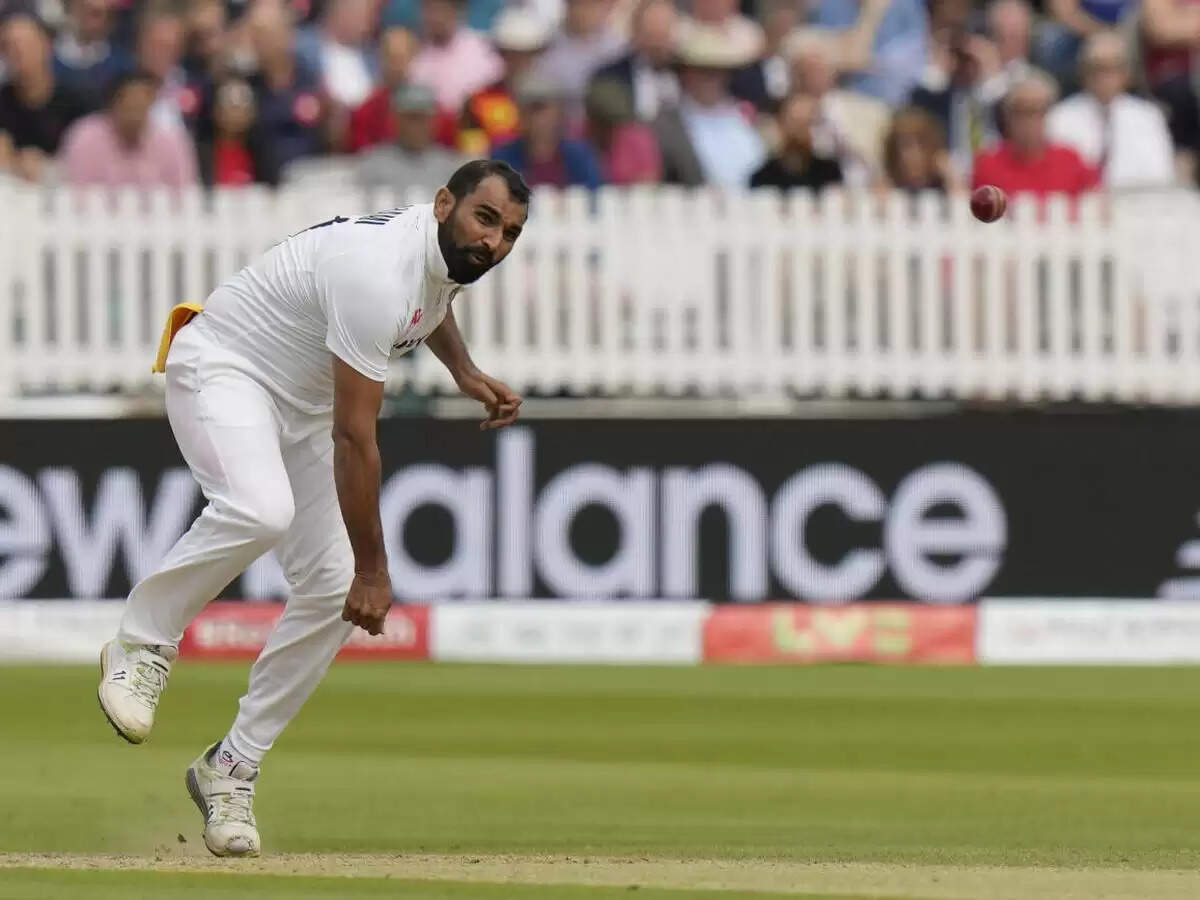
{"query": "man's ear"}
pixel 443 203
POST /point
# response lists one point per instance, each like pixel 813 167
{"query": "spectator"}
pixel 914 153
pixel 883 43
pixel 1026 161
pixel 1122 135
pixel 454 61
pixel 233 152
pixel 796 164
pixel 1171 29
pixel 849 125
pixel 160 54
pixel 371 123
pixel 286 91
pixel 708 138
pixel 628 149
pixel 767 80
pixel 646 72
pixel 962 100
pixel 85 58
pixel 411 158
pixel 1059 41
pixel 586 43
pixel 543 153
pixel 35 107
pixel 338 50
pixel 1010 29
pixel 124 145
pixel 204 58
pixel 490 117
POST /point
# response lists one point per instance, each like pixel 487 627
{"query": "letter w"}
pixel 88 544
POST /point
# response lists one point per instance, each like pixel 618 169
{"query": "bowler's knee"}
pixel 265 514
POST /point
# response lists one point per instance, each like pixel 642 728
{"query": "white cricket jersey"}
pixel 363 289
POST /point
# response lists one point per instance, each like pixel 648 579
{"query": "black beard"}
pixel 459 265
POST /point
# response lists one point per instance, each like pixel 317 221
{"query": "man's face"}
pixel 478 231
pixel 439 20
pixel 206 29
pixel 1010 30
pixel 796 120
pixel 1025 118
pixel 713 12
pixel 585 16
pixel 1106 76
pixel 397 46
pixel 706 87
pixel 90 19
pixel 131 111
pixel 541 121
pixel 160 46
pixel 414 129
pixel 654 36
pixel 813 72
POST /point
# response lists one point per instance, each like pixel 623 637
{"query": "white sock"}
pixel 232 761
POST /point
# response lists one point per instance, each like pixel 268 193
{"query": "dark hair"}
pixel 468 176
pixel 124 80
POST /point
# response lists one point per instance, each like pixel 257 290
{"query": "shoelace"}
pixel 234 805
pixel 148 682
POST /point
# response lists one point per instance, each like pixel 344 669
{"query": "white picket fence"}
pixel 662 291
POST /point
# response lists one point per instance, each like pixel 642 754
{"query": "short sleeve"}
pixel 361 318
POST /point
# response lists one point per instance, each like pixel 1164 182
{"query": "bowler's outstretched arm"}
pixel 356 472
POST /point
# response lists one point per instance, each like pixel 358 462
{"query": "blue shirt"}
pixel 579 165
pixel 727 147
pixel 1108 11
pixel 898 54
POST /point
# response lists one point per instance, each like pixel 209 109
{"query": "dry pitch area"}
pixel 449 782
pixel 425 875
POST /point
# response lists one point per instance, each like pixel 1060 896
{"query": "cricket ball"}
pixel 988 203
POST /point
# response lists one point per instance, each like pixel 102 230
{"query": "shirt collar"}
pixel 435 263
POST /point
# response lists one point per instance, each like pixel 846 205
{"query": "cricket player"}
pixel 273 390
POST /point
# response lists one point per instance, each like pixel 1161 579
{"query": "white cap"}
pixel 516 28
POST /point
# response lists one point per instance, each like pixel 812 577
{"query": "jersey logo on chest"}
pixel 416 318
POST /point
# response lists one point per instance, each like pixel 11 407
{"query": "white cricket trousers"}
pixel 266 470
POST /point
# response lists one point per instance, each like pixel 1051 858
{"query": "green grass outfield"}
pixel 441 781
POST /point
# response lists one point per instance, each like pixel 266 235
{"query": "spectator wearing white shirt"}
pixel 1125 136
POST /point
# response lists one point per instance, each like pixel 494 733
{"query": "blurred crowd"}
pixel 1064 96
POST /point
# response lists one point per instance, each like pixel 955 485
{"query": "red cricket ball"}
pixel 988 203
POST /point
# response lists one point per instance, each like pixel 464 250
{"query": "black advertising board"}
pixel 939 509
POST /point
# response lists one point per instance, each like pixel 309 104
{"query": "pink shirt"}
pixel 92 154
pixel 456 71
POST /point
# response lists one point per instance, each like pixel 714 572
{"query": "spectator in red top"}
pixel 232 151
pixel 491 116
pixel 371 123
pixel 1025 161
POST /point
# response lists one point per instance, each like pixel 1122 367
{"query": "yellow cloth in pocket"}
pixel 179 316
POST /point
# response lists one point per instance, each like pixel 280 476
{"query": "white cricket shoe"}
pixel 132 678
pixel 225 796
